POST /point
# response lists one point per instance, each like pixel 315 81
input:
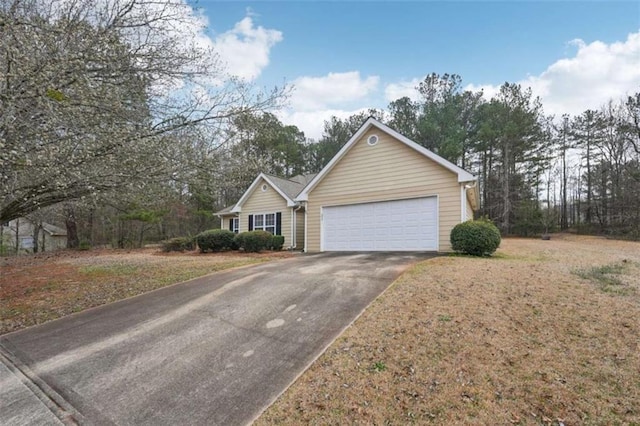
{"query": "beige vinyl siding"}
pixel 390 170
pixel 300 229
pixel 224 222
pixel 267 202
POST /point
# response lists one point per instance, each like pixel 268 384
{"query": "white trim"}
pixel 293 229
pixel 381 200
pixel 238 207
pixel 438 222
pixel 463 175
pixel 264 224
pixel 322 228
pixel 306 221
pixel 463 203
pixel 436 196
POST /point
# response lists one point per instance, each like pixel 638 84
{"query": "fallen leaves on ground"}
pixel 38 288
pixel 530 336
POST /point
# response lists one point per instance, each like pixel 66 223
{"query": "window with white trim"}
pixel 235 224
pixel 265 222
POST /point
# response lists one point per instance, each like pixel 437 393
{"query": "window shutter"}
pixel 250 222
pixel 278 223
pixel 231 224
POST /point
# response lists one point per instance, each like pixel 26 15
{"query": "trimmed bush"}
pixel 266 239
pixel 475 237
pixel 277 241
pixel 254 241
pixel 215 240
pixel 178 244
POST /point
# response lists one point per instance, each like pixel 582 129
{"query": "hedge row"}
pixel 253 241
pixel 179 244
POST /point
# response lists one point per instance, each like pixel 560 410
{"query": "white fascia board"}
pixel 463 175
pixel 229 213
pixel 238 207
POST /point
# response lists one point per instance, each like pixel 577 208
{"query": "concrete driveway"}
pixel 214 350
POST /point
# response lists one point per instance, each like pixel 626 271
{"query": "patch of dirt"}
pixel 530 336
pixel 38 288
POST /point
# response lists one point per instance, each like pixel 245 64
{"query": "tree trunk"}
pixel 564 220
pixel 17 235
pixel 90 226
pixel 37 227
pixel 73 242
pixel 588 212
pixel 506 190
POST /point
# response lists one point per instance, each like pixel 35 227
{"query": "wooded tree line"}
pixel 537 173
pixel 125 130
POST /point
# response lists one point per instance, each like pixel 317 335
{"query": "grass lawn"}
pixel 545 332
pixel 36 289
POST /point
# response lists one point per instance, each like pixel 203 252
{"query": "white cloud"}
pixel 597 73
pixel 334 89
pixel 245 49
pixel 395 91
pixel 312 122
pixel 488 90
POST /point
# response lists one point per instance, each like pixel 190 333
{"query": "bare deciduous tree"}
pixel 93 95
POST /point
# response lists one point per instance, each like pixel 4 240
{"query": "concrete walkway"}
pixel 213 351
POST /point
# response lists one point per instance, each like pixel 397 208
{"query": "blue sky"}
pixel 346 56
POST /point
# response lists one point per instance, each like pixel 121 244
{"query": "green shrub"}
pixel 277 241
pixel 475 237
pixel 254 241
pixel 266 239
pixel 178 244
pixel 238 240
pixel 215 240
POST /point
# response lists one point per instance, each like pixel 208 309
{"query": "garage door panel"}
pixel 400 225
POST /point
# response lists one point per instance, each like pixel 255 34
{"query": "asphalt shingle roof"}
pixel 291 187
pixel 226 209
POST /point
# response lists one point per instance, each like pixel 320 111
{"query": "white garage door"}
pixel 401 225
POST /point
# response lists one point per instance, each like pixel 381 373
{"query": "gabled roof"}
pixel 53 230
pixel 287 188
pixel 226 210
pixel 463 175
pixel 293 186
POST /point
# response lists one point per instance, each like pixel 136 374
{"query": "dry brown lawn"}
pixel 545 332
pixel 36 289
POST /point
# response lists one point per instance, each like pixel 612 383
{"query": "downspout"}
pixel 463 203
pixel 306 210
pixel 294 227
